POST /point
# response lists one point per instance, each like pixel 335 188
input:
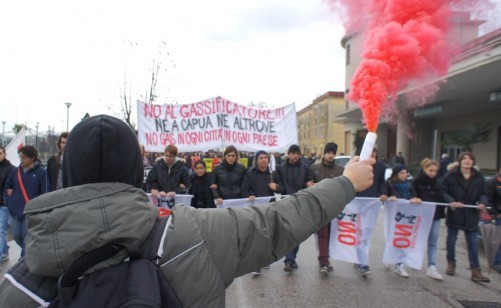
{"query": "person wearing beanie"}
pixel 202 250
pixel 260 181
pixel 398 187
pixel 326 169
pixel 295 175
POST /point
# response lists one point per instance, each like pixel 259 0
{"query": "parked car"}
pixel 342 160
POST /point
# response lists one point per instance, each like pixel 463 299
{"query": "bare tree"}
pixel 126 104
pixel 161 63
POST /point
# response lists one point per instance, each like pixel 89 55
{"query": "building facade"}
pixel 469 97
pixel 317 126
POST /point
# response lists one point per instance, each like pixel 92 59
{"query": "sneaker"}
pixel 288 267
pixel 325 268
pixel 4 258
pixel 256 273
pixel 433 273
pixel 364 271
pixel 400 270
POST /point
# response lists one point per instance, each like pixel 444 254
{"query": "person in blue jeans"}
pixel 462 186
pixel 34 180
pixel 5 169
pixel 494 192
pixel 428 189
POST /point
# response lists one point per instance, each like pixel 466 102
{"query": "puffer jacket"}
pixel 203 250
pixel 256 182
pixel 163 178
pixel 429 190
pixel 294 176
pixel 494 192
pixel 228 179
pixel 456 189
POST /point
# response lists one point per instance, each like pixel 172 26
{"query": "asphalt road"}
pixel 344 287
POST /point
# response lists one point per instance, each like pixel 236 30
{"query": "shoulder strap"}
pixel 21 184
pixel 68 281
pixel 150 246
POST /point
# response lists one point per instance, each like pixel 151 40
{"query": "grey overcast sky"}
pixel 54 52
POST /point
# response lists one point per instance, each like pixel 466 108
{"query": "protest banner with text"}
pixel 214 124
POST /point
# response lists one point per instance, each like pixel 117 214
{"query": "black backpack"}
pixel 138 282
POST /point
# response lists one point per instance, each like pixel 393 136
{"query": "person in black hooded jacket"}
pixel 200 187
pixel 464 185
pixel 259 181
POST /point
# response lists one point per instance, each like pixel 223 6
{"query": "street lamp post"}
pixel 36 136
pixel 3 132
pixel 68 105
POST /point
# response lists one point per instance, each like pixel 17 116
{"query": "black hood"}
pixel 102 149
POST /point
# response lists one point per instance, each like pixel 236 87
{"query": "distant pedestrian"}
pixel 24 183
pixel 399 159
pixel 5 169
pixel 444 162
pixel 494 191
pixel 54 170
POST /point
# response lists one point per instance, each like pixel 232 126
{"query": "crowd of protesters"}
pixel 457 183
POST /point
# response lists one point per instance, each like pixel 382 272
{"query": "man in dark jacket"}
pixel 494 193
pixel 326 169
pixel 54 173
pixel 295 176
pixel 169 176
pixel 24 183
pixel 259 180
pixel 5 169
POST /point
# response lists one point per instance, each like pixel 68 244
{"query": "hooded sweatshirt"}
pixel 105 149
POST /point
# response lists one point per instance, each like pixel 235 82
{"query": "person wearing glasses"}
pixel 24 183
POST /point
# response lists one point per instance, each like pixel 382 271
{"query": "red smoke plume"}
pixel 406 41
